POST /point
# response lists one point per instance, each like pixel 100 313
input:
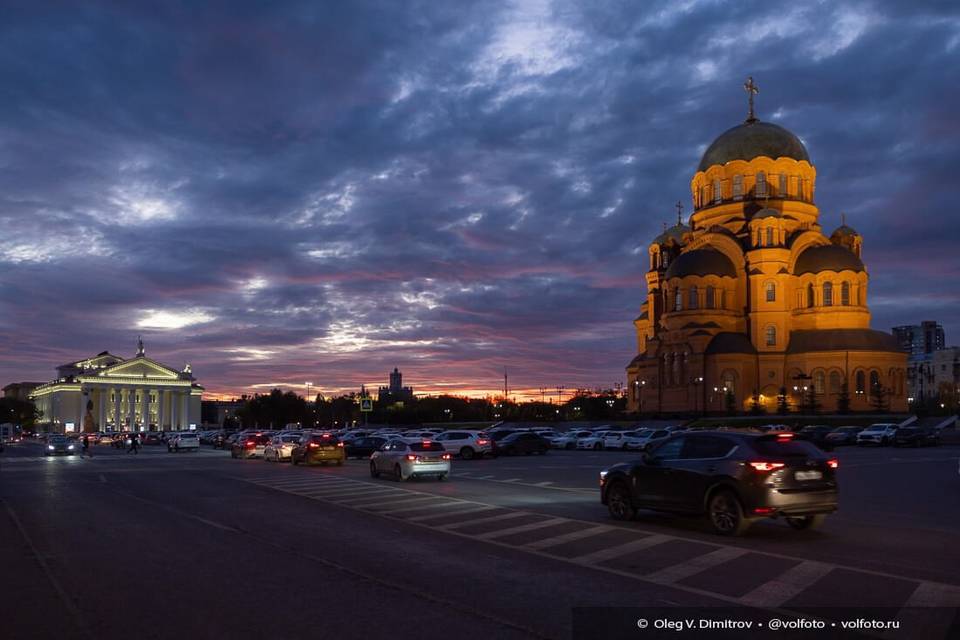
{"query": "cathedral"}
pixel 751 306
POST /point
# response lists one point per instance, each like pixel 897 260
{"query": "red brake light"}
pixel 426 443
pixel 339 444
pixel 313 445
pixel 483 442
pixel 411 457
pixel 763 511
pixel 833 463
pixel 782 437
pixel 249 443
pixel 326 435
pixel 766 466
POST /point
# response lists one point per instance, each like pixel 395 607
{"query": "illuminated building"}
pixel 750 305
pixel 108 393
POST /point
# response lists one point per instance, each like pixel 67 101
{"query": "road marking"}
pixel 621 549
pixel 568 537
pixel 474 508
pixel 406 507
pixel 486 477
pixel 695 565
pixel 438 505
pixel 338 491
pixel 520 528
pixel 788 584
pixel 928 594
pixel 502 516
pixel 544 484
pixel 362 501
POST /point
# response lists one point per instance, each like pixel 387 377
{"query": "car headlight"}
pixel 603 475
pixel 70 446
pixel 50 446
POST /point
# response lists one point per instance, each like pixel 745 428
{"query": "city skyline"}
pixel 297 194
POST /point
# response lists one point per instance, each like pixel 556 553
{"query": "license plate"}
pixel 808 475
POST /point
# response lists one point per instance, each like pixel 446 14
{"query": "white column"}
pixel 174 411
pixel 161 399
pixel 102 402
pixel 185 401
pixel 117 391
pixel 132 407
pixel 81 410
pixel 144 408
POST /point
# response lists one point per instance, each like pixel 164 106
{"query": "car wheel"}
pixel 624 447
pixel 884 442
pixel 373 470
pixel 726 514
pixel 442 477
pixel 570 446
pixel 466 453
pixel 293 460
pixel 619 503
pixel 808 523
pixel 398 472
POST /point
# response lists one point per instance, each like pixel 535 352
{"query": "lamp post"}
pixel 696 382
pixel 803 383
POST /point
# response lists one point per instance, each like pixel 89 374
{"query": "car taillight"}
pixel 249 443
pixel 766 466
pixel 833 463
pixel 411 457
pixel 313 445
pixel 483 442
pixel 446 456
pixel 783 437
pixel 339 444
pixel 763 511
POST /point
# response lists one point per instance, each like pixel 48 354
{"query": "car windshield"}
pixel 290 438
pixel 58 440
pixel 785 448
pixel 325 439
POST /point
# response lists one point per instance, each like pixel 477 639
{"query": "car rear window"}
pixel 426 446
pixel 779 447
pixel 325 440
pixel 290 439
pixel 258 439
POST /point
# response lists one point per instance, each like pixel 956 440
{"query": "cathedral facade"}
pixel 751 306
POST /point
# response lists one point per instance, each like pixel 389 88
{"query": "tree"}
pixel 755 407
pixel 879 398
pixel 783 407
pixel 20 412
pixel 275 410
pixel 730 402
pixel 843 400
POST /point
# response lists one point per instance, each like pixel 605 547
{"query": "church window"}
pixel 827 294
pixel 717 194
pixel 729 382
pixel 771 292
pixel 860 382
pixel 874 380
pixel 694 301
pixel 738 187
pixel 783 185
pixel 810 297
pixel 710 298
pixel 771 336
pixel 845 294
pixel 800 187
pixel 818 382
pixel 835 382
pixel 678 300
pixel 769 236
pixel 761 188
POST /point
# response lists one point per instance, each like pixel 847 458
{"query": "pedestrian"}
pixel 86 445
pixel 134 443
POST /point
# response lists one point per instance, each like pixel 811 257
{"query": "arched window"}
pixel 738 187
pixel 717 193
pixel 859 295
pixel 783 185
pixel 771 291
pixel 729 382
pixel 827 294
pixel 799 187
pixel 874 380
pixel 710 298
pixel 836 381
pixel 678 300
pixel 769 236
pixel 810 296
pixel 819 380
pixel 761 188
pixel 845 294
pixel 771 336
pixel 694 298
pixel 861 382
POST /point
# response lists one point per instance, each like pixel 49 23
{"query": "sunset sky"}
pixel 281 192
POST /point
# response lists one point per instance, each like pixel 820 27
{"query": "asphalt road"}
pixel 191 545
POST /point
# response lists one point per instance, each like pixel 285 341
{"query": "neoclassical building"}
pixel 751 304
pixel 108 393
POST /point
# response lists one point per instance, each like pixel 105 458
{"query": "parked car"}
pixel 523 442
pixel 249 445
pixel 405 460
pixel 915 437
pixel 732 477
pixel 318 447
pixel 59 446
pixel 568 440
pixel 843 435
pixel 466 444
pixel 879 434
pixel 183 442
pixel 593 440
pixel 152 438
pixel 652 437
pixel 817 434
pixel 364 447
pixel 280 447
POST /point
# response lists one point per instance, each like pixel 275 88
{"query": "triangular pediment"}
pixel 140 368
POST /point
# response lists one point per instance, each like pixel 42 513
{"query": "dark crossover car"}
pixel 817 434
pixel 843 435
pixel 915 437
pixel 733 478
pixel 363 447
pixel 522 442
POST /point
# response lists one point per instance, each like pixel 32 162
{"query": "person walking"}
pixel 134 443
pixel 86 446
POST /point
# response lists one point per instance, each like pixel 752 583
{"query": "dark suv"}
pixel 915 437
pixel 734 478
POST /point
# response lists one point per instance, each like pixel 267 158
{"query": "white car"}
pixel 567 440
pixel 184 442
pixel 615 439
pixel 592 441
pixel 879 434
pixel 651 437
pixel 405 460
pixel 466 444
pixel 281 446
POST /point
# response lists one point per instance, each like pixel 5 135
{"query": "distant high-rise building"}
pixel 396 392
pixel 922 338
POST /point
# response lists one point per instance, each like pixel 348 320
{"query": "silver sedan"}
pixel 405 460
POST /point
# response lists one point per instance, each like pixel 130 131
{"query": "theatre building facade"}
pixel 752 305
pixel 109 393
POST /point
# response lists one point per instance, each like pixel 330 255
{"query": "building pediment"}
pixel 140 367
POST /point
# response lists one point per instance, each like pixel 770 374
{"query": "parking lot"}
pixel 526 532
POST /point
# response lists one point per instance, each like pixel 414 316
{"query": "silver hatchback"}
pixel 405 460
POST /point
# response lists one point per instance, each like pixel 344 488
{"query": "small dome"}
pixel 701 262
pixel 751 140
pixel 828 257
pixel 843 231
pixel 674 233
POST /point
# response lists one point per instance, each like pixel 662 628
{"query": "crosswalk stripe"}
pixel 474 508
pixel 787 585
pixel 338 491
pixel 356 496
pixel 567 537
pixel 934 595
pixel 520 528
pixel 678 572
pixel 374 497
pixel 405 507
pixel 621 549
pixel 502 516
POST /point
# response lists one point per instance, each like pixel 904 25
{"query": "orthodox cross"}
pixel 139 346
pixel 843 219
pixel 752 90
pixel 679 206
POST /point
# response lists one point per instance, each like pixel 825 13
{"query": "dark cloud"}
pixel 324 191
